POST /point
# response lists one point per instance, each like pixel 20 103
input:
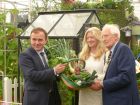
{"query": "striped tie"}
pixel 107 60
pixel 43 58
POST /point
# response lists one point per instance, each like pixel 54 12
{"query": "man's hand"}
pixel 96 86
pixel 77 70
pixel 59 68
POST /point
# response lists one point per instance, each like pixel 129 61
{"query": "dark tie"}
pixel 109 57
pixel 43 58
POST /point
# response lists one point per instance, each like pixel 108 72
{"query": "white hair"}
pixel 114 29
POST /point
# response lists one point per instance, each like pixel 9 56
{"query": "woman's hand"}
pixel 96 86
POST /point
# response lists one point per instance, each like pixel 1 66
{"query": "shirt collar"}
pixel 40 51
pixel 112 49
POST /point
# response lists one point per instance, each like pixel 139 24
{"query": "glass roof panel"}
pixel 94 20
pixel 44 21
pixel 70 24
pixel 62 24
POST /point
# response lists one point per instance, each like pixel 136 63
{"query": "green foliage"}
pixel 8 45
pixel 138 81
pixel 109 4
pixel 61 48
pixel 66 94
pixel 136 50
pixel 0 88
pixel 108 11
pixel 83 79
pixel 113 16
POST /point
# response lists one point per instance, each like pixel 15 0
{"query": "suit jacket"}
pixel 120 86
pixel 40 82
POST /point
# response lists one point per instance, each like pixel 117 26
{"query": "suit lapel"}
pixel 114 52
pixel 36 57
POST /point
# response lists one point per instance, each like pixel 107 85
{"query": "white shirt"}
pixel 38 52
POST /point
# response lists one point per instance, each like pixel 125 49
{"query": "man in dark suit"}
pixel 40 86
pixel 119 85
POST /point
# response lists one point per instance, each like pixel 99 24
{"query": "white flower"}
pixel 79 82
pixel 137 66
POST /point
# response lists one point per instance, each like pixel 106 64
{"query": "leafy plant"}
pixel 8 46
pixel 61 48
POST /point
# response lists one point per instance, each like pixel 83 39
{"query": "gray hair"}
pixel 114 29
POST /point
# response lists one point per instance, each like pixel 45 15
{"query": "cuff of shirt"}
pixel 101 83
pixel 57 74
